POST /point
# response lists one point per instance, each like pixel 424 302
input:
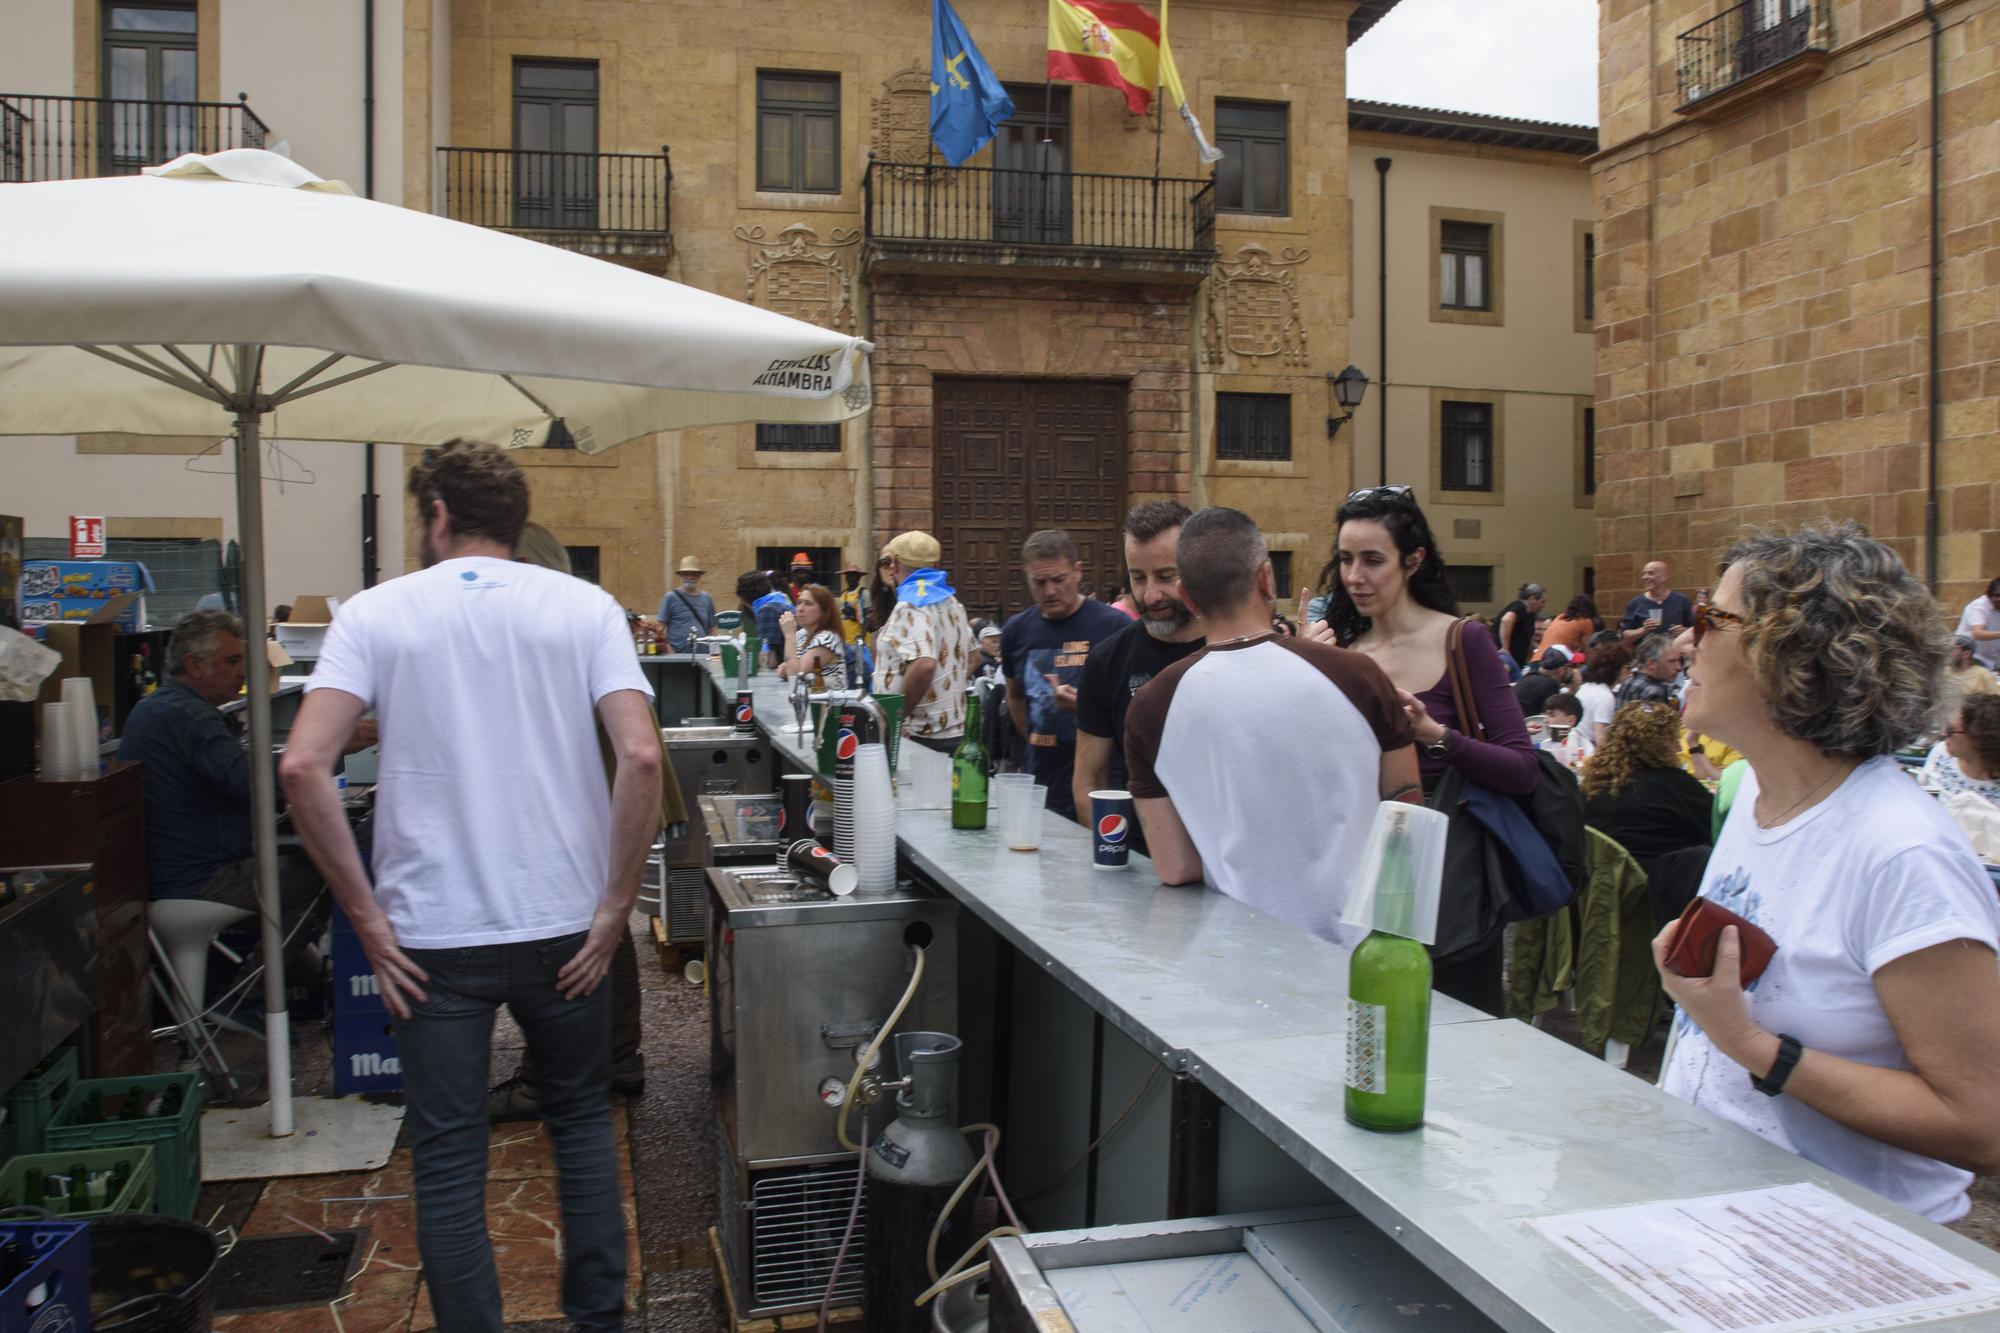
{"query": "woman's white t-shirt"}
pixel 1599 704
pixel 1874 872
pixel 1980 613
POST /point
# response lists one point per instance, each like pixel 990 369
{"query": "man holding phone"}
pixel 1656 609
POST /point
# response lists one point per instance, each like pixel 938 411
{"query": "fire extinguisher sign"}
pixel 86 537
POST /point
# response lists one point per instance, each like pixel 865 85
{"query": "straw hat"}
pixel 689 565
pixel 918 550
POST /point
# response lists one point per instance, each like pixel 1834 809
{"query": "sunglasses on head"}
pixel 1707 617
pixel 1398 491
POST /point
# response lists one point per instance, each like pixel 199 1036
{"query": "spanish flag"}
pixel 1106 42
pixel 1120 46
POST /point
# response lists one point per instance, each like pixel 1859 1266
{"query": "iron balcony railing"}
pixel 72 138
pixel 1004 207
pixel 530 190
pixel 1747 39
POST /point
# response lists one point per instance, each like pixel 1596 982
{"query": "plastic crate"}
pixel 365 1058
pixel 32 1103
pixel 136 1197
pixel 354 987
pixel 175 1139
pixel 54 1294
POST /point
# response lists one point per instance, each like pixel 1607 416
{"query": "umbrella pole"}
pixel 263 777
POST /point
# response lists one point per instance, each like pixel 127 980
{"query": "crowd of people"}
pixel 1742 743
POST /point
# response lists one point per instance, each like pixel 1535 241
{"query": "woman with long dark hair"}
pixel 1391 602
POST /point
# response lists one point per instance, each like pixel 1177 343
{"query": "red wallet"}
pixel 1701 925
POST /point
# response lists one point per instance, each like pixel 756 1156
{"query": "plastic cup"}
pixel 1021 818
pixel 60 760
pixel 79 691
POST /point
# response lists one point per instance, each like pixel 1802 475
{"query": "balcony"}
pixel 74 138
pixel 611 205
pixel 1752 51
pixel 917 217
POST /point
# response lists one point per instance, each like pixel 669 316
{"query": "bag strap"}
pixel 1462 698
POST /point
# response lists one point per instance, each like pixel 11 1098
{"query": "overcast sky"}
pixel 1534 59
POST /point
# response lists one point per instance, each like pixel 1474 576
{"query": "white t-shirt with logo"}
pixel 493 816
pixel 1600 705
pixel 1874 872
pixel 1980 613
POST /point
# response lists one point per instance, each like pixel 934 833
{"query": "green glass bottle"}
pixel 133 1105
pixel 1389 1005
pixel 968 773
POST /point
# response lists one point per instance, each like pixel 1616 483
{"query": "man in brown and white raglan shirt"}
pixel 1258 762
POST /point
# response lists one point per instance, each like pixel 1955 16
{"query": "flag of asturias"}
pixel 967 101
pixel 1106 42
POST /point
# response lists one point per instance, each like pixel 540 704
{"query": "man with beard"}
pixel 1165 632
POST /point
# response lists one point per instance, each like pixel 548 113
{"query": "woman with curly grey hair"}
pixel 1871 1043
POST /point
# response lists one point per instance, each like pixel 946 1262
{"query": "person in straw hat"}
pixel 686 610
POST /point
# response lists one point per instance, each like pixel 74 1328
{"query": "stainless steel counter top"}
pixel 1518 1124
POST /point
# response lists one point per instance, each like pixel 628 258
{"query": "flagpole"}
pixel 1048 117
pixel 1159 84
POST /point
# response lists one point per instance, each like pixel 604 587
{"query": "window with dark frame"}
pixel 794 437
pixel 1255 426
pixel 585 562
pixel 1252 176
pixel 149 59
pixel 1465 446
pixel 798 132
pixel 825 562
pixel 1465 256
pixel 1281 572
pixel 1590 451
pixel 1471 584
pixel 1590 275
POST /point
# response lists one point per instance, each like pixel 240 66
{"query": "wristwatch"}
pixel 1436 749
pixel 1789 1052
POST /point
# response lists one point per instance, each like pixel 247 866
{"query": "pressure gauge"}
pixel 832 1091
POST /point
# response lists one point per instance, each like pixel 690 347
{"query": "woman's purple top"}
pixel 1503 762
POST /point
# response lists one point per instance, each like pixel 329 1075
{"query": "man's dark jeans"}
pixel 445 1049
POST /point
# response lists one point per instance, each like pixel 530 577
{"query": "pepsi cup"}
pixel 746 714
pixel 808 860
pixel 1112 819
pixel 795 814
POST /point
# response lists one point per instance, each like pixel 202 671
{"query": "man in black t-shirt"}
pixel 1514 631
pixel 1165 632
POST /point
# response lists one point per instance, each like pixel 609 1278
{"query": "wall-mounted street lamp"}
pixel 1347 389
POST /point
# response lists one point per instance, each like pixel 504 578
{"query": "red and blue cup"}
pixel 1113 821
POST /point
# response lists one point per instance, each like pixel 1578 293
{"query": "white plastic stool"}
pixel 187 927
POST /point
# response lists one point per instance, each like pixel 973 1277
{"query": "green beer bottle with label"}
pixel 968 773
pixel 1389 1005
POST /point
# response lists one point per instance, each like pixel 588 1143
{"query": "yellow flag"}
pixel 1170 81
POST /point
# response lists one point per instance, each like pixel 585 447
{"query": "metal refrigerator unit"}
pixel 710 759
pixel 799 981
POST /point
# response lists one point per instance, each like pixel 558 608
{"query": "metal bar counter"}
pixel 1518 1124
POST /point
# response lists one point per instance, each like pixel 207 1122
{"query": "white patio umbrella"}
pixel 209 292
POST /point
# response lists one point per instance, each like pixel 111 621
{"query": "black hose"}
pixel 1936 412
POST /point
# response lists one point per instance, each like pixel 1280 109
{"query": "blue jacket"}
pixel 197 788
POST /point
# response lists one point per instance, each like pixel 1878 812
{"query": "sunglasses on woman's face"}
pixel 1393 492
pixel 1708 618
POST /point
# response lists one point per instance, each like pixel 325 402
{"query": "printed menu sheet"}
pixel 1791 1257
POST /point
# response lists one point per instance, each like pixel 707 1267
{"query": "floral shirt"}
pixel 941 631
pixel 1940 770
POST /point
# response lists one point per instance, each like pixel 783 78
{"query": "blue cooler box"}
pixel 365 1058
pixel 354 987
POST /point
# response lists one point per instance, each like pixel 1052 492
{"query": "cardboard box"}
pixel 276 659
pixel 302 635
pixel 55 591
pixel 89 648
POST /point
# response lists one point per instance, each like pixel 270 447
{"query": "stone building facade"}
pixel 1767 287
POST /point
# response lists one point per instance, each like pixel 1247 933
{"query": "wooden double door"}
pixel 1013 456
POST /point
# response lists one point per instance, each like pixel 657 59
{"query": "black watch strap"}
pixel 1789 1052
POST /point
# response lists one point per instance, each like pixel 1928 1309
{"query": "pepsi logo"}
pixel 846 745
pixel 1112 829
pixel 745 713
pixel 822 854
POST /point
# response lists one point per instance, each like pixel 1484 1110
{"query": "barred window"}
pixel 1281 571
pixel 798 437
pixel 1470 584
pixel 1590 451
pixel 1253 426
pixel 1466 448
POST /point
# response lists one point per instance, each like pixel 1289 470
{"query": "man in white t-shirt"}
pixel 1980 622
pixel 504 867
pixel 1257 763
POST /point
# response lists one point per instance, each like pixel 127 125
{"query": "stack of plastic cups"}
pixel 874 821
pixel 60 760
pixel 846 747
pixel 78 690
